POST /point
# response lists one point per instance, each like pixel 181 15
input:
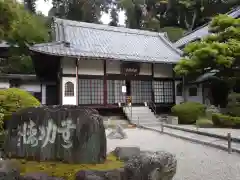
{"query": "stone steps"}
pixel 141 115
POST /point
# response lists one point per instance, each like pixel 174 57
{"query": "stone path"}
pixel 195 161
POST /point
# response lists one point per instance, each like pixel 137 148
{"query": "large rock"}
pixel 125 153
pixel 151 166
pixel 9 170
pixel 68 133
pixel 115 174
pixel 117 133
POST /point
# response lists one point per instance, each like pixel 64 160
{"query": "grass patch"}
pixel 66 171
pixel 204 123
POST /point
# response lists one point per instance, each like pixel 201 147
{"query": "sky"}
pixel 45 6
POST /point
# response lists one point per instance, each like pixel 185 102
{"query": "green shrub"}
pixel 13 99
pixel 233 106
pixel 188 112
pixel 215 119
pixel 204 123
pixel 222 120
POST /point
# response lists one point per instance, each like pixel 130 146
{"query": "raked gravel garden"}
pixel 195 161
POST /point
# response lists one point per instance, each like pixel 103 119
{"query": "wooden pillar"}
pixel 105 83
pixel 184 89
pixel 173 86
pixel 41 92
pixel 60 86
pixel 203 93
pixel 152 68
pixel 77 103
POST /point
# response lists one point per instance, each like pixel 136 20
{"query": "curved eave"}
pixel 59 49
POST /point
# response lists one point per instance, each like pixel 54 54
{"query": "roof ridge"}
pixel 169 43
pixel 106 27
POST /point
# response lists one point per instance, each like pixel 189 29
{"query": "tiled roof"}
pixel 202 31
pixel 79 39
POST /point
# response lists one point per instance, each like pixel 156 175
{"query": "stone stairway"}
pixel 141 115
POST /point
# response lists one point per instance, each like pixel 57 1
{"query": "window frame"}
pixel 163 91
pixel 69 89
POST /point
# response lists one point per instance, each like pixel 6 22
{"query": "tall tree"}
pixel 20 29
pixel 133 11
pixel 186 14
pixel 114 17
pixel 30 5
pixel 81 10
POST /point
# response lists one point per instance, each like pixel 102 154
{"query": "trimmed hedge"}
pixel 188 112
pixel 13 99
pixel 222 120
pixel 204 123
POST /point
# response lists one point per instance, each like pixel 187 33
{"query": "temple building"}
pixel 99 65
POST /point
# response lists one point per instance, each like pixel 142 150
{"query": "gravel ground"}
pixel 195 161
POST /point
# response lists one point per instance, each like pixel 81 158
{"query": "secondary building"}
pixel 207 87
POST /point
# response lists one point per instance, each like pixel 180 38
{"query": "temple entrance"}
pixel 128 88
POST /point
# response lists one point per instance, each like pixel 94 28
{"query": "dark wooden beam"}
pixel 77 81
pixel 173 85
pixel 105 83
pixel 152 69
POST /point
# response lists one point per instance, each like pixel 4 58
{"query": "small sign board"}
pixel 124 89
pixel 130 68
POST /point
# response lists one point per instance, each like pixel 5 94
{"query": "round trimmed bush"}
pixel 188 112
pixel 14 99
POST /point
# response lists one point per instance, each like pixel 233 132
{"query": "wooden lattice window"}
pixel 90 91
pixel 114 91
pixel 69 89
pixel 163 91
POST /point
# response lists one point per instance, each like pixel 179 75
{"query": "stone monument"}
pixel 70 134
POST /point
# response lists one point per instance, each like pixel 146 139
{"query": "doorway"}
pixel 51 95
pixel 128 87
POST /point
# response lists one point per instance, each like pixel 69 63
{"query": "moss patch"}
pixel 67 171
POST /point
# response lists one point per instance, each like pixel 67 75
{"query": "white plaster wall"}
pixel 197 98
pixel 113 67
pixel 145 69
pixel 163 70
pixel 91 67
pixel 68 100
pixel 4 84
pixel 43 94
pixel 86 67
pixel 68 65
